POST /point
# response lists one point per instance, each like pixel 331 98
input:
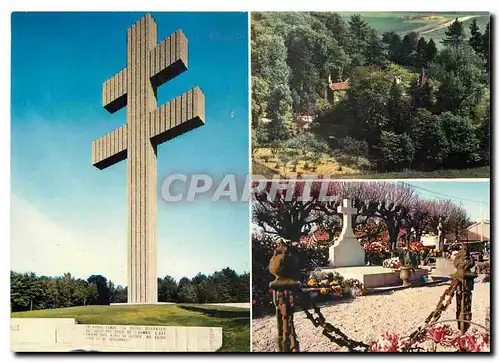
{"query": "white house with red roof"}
pixel 479 231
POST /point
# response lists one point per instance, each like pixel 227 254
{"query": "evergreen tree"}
pixel 375 53
pixel 167 289
pixel 409 48
pixel 476 38
pixel 393 42
pixel 455 34
pixel 101 285
pixel 460 72
pixel 186 292
pixel 486 46
pixel 305 74
pixel 337 28
pixel 421 54
pixel 430 51
pixel 358 32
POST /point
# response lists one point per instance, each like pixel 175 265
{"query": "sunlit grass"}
pixel 263 164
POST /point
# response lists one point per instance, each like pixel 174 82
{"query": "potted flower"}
pixel 408 260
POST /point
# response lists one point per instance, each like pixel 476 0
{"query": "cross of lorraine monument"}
pixel 149 65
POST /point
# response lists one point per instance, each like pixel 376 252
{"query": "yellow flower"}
pixel 312 282
pixel 334 282
pixel 324 282
pixel 324 291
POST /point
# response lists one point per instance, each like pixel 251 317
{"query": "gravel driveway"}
pixel 366 317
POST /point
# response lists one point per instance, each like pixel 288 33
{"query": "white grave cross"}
pixel 347 251
pixel 347 210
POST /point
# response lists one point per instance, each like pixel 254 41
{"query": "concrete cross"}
pixel 149 65
pixel 347 210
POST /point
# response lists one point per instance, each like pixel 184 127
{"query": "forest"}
pixel 31 292
pixel 409 103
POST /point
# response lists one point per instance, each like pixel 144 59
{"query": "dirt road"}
pixel 445 24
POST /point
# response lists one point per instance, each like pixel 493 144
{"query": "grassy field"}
pixel 405 22
pixel 235 322
pixel 438 35
pixel 267 170
pixel 267 165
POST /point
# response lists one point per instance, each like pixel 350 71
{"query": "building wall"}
pixel 477 229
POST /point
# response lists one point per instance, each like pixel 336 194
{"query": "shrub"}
pixel 310 256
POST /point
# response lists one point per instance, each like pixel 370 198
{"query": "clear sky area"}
pixel 470 194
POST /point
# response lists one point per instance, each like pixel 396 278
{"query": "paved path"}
pixel 234 305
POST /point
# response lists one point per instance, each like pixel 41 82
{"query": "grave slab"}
pixel 376 276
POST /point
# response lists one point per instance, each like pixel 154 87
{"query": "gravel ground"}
pixel 366 317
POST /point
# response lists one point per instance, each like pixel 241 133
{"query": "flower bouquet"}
pixel 334 284
pixel 392 263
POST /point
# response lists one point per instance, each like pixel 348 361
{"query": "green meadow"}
pixel 427 22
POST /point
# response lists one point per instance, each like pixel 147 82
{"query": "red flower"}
pixel 439 334
pixel 388 342
pixel 485 338
pixel 467 343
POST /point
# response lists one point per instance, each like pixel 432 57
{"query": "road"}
pixel 446 24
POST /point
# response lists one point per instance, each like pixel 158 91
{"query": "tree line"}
pixel 393 206
pixel 409 105
pixel 31 292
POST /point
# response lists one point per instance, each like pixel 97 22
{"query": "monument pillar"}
pixel 141 168
pixel 149 65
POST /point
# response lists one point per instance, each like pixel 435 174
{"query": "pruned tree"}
pixel 281 209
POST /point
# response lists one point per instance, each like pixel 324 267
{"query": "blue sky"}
pixel 69 216
pixel 468 193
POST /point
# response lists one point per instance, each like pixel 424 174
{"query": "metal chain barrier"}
pixel 285 290
pixel 285 308
pixel 333 333
pixel 461 287
pixel 434 316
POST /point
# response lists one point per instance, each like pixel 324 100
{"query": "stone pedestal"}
pixel 65 335
pixel 347 251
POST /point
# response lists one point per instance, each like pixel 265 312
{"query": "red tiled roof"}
pixel 322 235
pixel 318 235
pixel 472 236
pixel 340 85
pixel 479 223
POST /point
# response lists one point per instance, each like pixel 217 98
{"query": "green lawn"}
pixel 235 322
